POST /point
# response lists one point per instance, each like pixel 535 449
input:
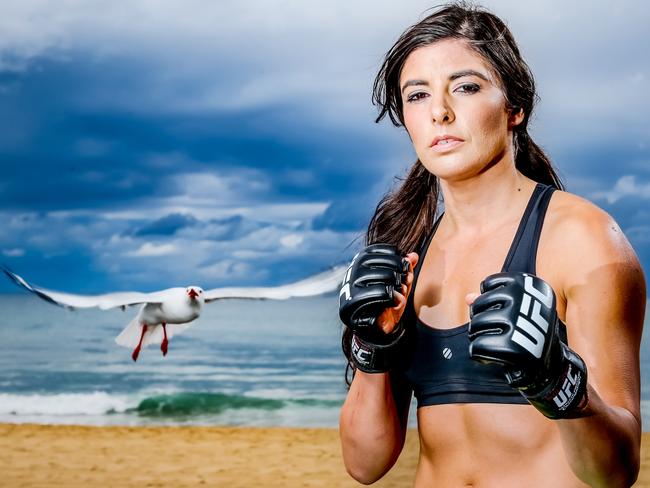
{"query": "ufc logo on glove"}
pixel 531 321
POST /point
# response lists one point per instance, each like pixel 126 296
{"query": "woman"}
pixel 513 397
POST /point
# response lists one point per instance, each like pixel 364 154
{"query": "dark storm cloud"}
pixel 175 141
pixel 70 157
pixel 167 225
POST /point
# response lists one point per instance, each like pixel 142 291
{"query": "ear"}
pixel 516 116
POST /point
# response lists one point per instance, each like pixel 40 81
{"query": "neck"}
pixel 487 200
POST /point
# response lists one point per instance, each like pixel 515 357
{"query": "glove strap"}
pixel 371 357
pixel 566 396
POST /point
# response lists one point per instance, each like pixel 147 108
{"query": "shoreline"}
pixel 35 455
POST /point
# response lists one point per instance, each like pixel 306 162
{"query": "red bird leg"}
pixel 165 342
pixel 136 351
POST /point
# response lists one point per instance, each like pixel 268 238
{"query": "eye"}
pixel 468 88
pixel 415 97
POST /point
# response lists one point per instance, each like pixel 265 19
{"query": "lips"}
pixel 445 140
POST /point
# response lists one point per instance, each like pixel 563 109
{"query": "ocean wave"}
pixel 188 404
pixel 200 404
pixel 91 403
pixel 172 404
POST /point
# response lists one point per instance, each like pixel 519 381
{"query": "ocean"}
pixel 249 363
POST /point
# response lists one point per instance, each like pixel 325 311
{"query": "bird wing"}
pixel 314 285
pixel 106 301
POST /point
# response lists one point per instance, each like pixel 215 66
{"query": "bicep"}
pixel 605 308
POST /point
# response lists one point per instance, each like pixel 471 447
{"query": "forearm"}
pixel 603 447
pixel 372 434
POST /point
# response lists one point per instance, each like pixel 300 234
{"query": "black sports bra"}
pixel 440 370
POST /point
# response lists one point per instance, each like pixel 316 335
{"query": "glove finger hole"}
pixel 390 261
pixel 490 301
pixel 377 276
pixel 496 281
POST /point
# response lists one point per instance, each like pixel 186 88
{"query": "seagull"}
pixel 164 313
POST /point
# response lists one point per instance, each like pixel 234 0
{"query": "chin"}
pixel 459 167
pixel 451 169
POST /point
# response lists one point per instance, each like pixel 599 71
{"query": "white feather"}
pixel 130 335
pixel 314 285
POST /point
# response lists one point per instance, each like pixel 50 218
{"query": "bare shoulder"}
pixel 585 240
pixel 583 229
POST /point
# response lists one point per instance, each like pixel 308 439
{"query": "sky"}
pixel 149 144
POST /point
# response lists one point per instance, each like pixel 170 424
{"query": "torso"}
pixel 485 444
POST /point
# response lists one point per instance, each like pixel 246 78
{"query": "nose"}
pixel 441 111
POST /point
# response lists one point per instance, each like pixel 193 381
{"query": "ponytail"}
pixel 532 161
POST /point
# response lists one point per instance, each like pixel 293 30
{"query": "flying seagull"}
pixel 168 312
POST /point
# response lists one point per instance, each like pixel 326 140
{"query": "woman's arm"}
pixel 373 425
pixel 605 293
pixel 374 416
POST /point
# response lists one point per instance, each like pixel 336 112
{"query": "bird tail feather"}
pixel 130 336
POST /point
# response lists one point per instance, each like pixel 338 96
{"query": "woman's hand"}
pixel 391 316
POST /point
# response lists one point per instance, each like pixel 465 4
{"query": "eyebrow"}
pixel 452 77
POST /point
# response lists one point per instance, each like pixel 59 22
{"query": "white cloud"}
pixel 626 186
pixel 15 252
pixel 230 269
pixel 244 185
pixel 291 240
pixel 149 249
pixel 212 195
pixel 205 209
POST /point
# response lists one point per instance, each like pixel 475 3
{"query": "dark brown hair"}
pixel 405 216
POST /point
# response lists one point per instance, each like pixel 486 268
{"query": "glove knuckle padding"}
pixel 379 248
pixel 520 309
pixel 373 276
pixel 367 303
pixel 497 280
pixel 385 255
pixel 498 299
pixel 389 261
pixel 369 284
pixel 491 348
pixel 494 322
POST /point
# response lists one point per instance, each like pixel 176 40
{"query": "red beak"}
pixel 192 293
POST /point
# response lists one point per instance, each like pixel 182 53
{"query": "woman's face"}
pixel 454 110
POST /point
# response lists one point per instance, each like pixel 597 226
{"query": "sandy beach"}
pixel 74 456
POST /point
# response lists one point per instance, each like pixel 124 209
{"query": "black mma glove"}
pixel 367 290
pixel 514 323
